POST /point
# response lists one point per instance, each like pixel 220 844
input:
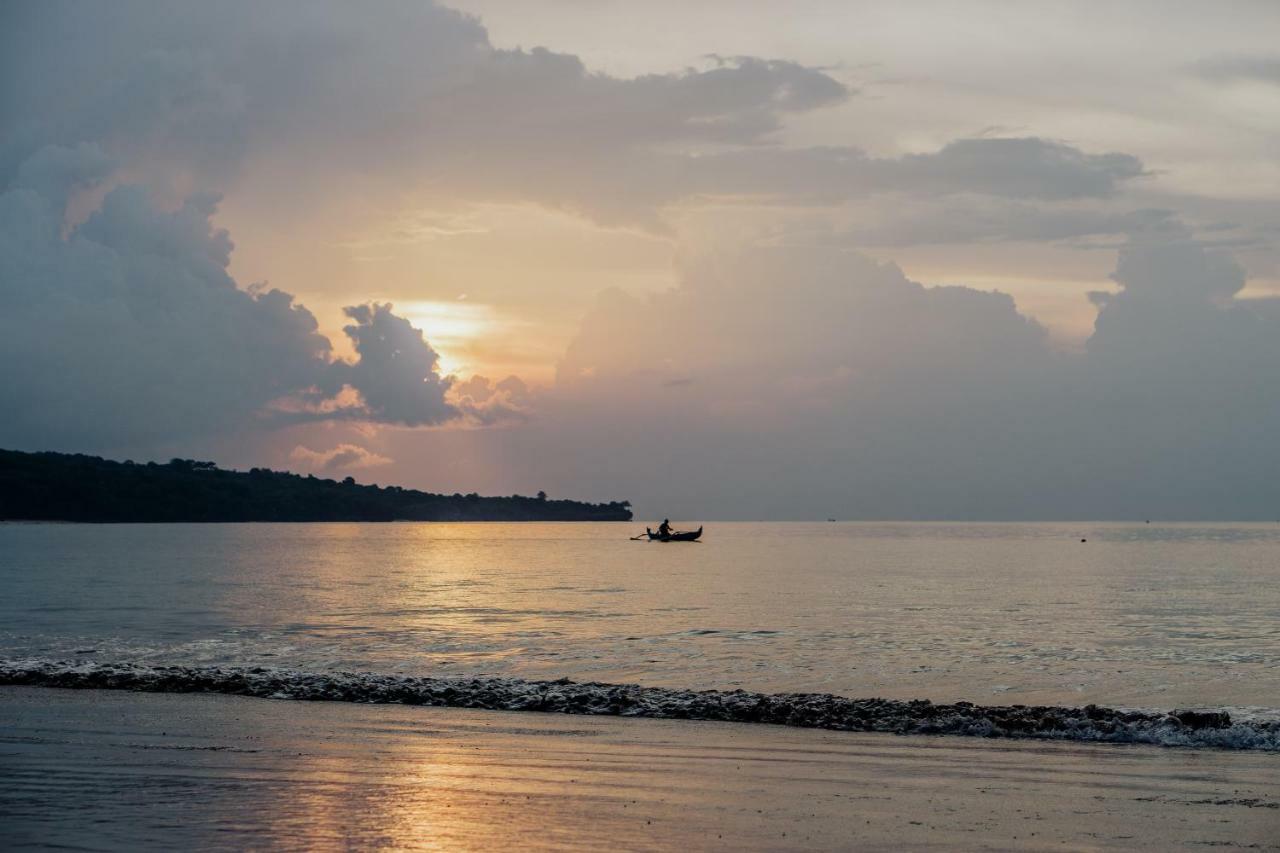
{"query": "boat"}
pixel 690 536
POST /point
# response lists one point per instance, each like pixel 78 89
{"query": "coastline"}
pixel 50 486
pixel 151 771
pixel 1190 727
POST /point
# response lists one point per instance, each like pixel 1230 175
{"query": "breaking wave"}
pixel 1091 723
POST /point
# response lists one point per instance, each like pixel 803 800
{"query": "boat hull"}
pixel 691 536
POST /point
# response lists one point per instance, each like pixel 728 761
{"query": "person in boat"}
pixel 664 529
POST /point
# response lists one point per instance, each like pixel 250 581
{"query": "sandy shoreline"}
pixel 115 770
pixel 1088 724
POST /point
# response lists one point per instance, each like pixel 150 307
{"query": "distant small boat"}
pixel 691 536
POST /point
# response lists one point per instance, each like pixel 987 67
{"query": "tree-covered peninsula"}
pixel 75 487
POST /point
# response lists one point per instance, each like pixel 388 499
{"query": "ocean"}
pixel 1147 621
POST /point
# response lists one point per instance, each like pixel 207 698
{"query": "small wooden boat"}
pixel 690 536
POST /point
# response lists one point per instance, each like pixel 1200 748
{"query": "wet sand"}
pixel 116 770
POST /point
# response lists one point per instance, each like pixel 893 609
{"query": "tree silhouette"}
pixel 75 487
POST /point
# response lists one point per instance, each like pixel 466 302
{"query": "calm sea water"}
pixel 1145 615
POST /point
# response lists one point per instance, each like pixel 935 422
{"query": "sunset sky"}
pixel 724 259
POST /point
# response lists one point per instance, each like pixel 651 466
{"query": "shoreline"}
pixel 153 771
pixel 1197 728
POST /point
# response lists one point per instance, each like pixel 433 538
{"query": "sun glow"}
pixel 453 329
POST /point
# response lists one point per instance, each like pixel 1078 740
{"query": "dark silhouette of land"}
pixel 75 487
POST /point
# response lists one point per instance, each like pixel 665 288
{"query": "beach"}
pixel 90 769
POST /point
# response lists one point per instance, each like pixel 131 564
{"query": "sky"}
pixel 723 259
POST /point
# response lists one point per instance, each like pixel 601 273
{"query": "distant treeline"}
pixel 74 487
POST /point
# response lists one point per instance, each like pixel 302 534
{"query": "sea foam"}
pixel 1091 723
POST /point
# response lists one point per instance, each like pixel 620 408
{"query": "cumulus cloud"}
pixel 1175 329
pixel 805 383
pixel 128 329
pixel 344 457
pixel 486 403
pixel 396 374
pixel 770 315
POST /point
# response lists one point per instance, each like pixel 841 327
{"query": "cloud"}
pixel 1013 168
pixel 1225 69
pixel 786 380
pixel 1003 222
pixel 1176 331
pixel 397 373
pixel 634 189
pixel 417 99
pixel 55 172
pixel 1030 167
pixel 416 86
pixel 816 382
pixel 767 316
pixel 344 457
pixel 127 329
pixel 487 403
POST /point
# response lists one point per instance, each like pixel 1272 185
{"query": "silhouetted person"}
pixel 664 529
